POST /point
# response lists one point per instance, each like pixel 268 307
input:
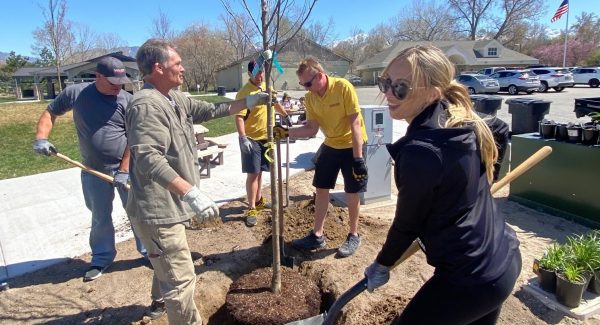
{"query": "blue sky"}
pixel 132 19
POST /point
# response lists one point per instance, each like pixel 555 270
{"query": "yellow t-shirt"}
pixel 332 110
pixel 255 125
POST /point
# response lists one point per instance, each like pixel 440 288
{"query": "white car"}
pixel 587 76
pixel 555 78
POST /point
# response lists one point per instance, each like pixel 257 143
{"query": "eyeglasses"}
pixel 308 84
pixel 400 87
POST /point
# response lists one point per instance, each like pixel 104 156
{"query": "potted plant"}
pixel 594 239
pixel 551 262
pixel 547 129
pixel 590 134
pixel 570 285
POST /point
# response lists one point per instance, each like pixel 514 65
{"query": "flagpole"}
pixel 566 37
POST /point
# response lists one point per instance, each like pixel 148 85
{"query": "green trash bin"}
pixel 527 113
pixel 486 104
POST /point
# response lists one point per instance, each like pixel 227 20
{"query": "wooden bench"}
pixel 210 150
pixel 213 155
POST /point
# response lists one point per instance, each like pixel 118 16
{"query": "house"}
pixel 234 76
pixel 466 55
pixel 30 80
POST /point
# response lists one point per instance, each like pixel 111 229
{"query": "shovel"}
pixel 287 261
pixel 87 169
pixel 329 318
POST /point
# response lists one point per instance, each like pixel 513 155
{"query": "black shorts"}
pixel 255 161
pixel 328 163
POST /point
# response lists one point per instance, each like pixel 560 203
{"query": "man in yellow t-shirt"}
pixel 252 130
pixel 332 105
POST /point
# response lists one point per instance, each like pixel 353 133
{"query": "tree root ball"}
pixel 251 302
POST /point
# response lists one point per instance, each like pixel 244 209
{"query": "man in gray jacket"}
pixel 165 175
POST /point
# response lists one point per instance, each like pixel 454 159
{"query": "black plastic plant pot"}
pixel 547 130
pixel 547 280
pixel 590 136
pixel 594 285
pixel 574 134
pixel 569 293
pixel 561 132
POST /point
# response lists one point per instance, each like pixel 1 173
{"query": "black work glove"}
pixel 280 132
pixel 359 171
pixel 286 120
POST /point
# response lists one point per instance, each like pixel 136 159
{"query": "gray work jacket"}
pixel 163 146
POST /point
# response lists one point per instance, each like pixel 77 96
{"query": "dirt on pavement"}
pixel 223 252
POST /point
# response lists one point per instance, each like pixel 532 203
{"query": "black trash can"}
pixel 221 90
pixel 527 113
pixel 486 104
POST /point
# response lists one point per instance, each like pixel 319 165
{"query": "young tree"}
pixel 271 14
pixel 55 33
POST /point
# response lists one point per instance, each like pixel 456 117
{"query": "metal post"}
pixel 566 38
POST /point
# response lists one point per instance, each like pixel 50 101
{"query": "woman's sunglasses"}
pixel 308 84
pixel 400 87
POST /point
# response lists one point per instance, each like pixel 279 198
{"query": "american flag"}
pixel 564 7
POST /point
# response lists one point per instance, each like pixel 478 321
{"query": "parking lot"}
pixel 561 108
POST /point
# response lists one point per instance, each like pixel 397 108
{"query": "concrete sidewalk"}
pixel 44 219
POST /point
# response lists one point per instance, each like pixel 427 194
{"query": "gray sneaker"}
pixel 309 242
pixel 93 273
pixel 156 310
pixel 349 246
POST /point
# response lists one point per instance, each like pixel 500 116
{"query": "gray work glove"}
pixel 286 120
pixel 121 179
pixel 44 147
pixel 245 144
pixel 377 275
pixel 256 99
pixel 204 207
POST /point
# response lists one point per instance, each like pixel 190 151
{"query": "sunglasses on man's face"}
pixel 400 87
pixel 308 84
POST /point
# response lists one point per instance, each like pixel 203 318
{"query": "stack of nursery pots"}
pixel 568 270
pixel 587 133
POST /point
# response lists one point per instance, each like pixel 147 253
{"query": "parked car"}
pixel 514 81
pixel 555 78
pixel 490 70
pixel 587 76
pixel 478 83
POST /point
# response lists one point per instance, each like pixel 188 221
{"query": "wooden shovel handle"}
pixel 102 176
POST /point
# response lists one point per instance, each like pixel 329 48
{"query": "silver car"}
pixel 478 83
pixel 514 81
pixel 555 78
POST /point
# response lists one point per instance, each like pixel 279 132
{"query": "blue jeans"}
pixel 99 196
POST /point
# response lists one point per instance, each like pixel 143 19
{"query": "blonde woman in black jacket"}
pixel 444 166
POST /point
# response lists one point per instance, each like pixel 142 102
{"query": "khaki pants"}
pixel 174 276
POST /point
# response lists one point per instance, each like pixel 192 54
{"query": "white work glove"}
pixel 377 275
pixel 245 144
pixel 256 99
pixel 204 207
pixel 44 147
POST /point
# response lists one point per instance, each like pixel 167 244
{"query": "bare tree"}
pixel 353 47
pixel 587 28
pixel 320 33
pixel 55 33
pixel 240 33
pixel 472 13
pixel 271 14
pixel 204 51
pixel 515 12
pixel 161 26
pixel 83 44
pixel 424 21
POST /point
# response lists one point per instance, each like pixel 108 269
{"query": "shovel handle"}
pixel 87 169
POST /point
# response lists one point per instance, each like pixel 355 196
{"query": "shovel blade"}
pixel 315 320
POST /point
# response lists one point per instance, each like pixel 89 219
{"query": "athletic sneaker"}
pixel 309 242
pixel 262 204
pixel 93 273
pixel 349 246
pixel 156 310
pixel 251 217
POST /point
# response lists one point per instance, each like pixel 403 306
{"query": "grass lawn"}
pixel 17 131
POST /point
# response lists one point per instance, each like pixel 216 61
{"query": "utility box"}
pixel 379 126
